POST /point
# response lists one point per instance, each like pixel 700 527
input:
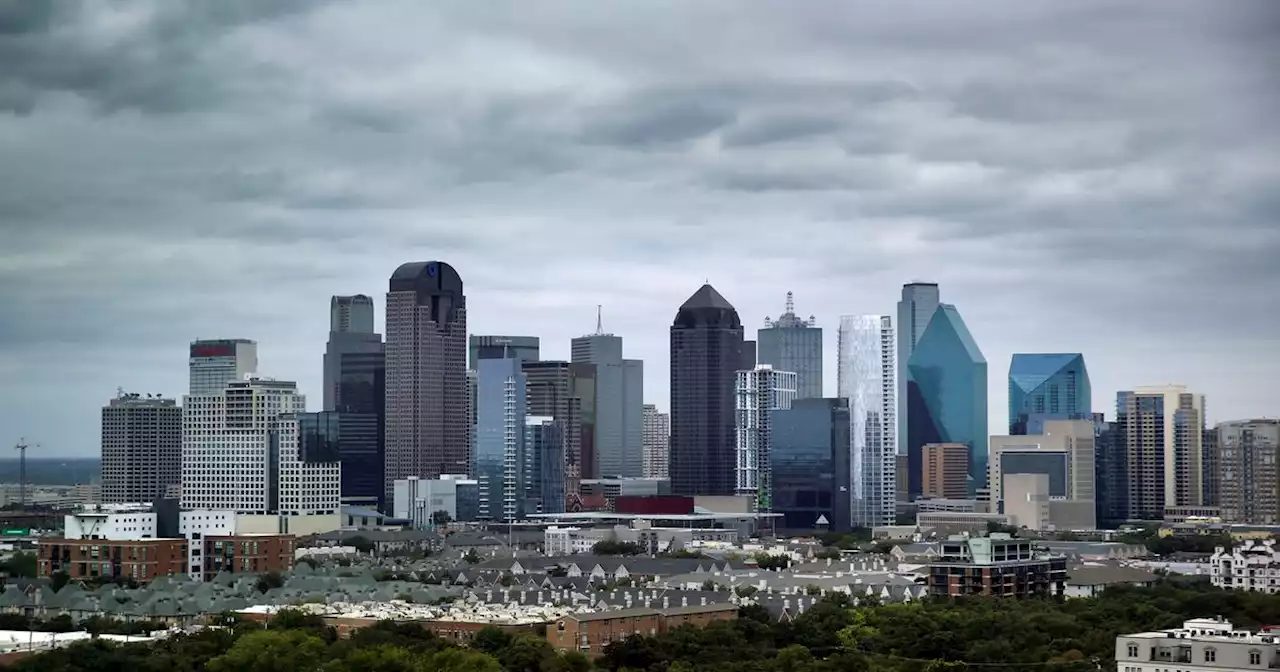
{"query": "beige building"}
pixel 1162 431
pixel 1046 481
pixel 945 470
pixel 1247 474
pixel 1200 645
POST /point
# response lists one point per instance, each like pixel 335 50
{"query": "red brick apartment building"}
pixel 145 559
pixel 591 633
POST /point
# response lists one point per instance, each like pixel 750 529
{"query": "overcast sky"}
pixel 1097 177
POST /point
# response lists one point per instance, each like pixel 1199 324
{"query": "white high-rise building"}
pixel 867 378
pixel 249 450
pixel 214 363
pixel 657 442
pixel 757 393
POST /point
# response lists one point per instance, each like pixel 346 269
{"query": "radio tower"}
pixel 22 473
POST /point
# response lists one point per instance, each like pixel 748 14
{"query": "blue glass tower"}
pixel 1047 387
pixel 947 396
pixel 500 433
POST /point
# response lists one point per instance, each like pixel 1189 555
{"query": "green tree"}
pixel 612 547
pixel 460 660
pixel 471 557
pixel 441 517
pixel 271 651
pixel 491 640
pixel 21 565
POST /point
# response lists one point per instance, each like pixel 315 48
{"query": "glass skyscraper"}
pixel 1047 387
pixel 809 458
pixel 867 377
pixel 947 396
pixel 919 303
pixel 790 343
pixel 500 433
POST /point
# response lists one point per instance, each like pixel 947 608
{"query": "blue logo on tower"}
pixel 432 270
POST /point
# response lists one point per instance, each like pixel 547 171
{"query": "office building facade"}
pixel 619 420
pixel 790 343
pixel 565 392
pixel 523 348
pixel 757 394
pixel 427 429
pixel 1063 454
pixel 214 363
pixel 1047 387
pixel 543 465
pixel 947 394
pixel 430 502
pixel 920 300
pixel 355 390
pixel 500 433
pixel 351 314
pixel 141 448
pixel 1249 471
pixel 706 353
pixel 867 377
pixel 248 451
pixel 657 442
pixel 809 450
pixel 944 471
pixel 1162 430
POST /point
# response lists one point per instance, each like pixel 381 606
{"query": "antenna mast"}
pixel 791 303
pixel 599 319
pixel 22 473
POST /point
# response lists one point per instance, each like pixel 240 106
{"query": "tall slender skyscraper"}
pixel 141 448
pixel 706 353
pixel 947 390
pixel 351 330
pixel 657 442
pixel 790 343
pixel 426 374
pixel 354 396
pixel 501 410
pixel 758 393
pixel 1161 430
pixel 867 377
pixel 214 363
pixel 619 426
pixel 919 303
pixel 1047 387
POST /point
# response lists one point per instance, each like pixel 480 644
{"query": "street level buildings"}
pixel 1161 430
pixel 657 442
pixel 867 377
pixel 947 395
pixel 757 394
pixel 1047 387
pixel 141 448
pixel 214 363
pixel 427 426
pixel 706 353
pixel 791 343
pixel 1249 471
pixel 619 422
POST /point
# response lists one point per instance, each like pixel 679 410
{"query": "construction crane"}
pixel 22 472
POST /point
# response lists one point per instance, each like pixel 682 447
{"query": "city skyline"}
pixel 1071 189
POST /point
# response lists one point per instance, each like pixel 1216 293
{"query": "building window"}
pixel 1133 650
pixel 1255 657
pixel 1210 655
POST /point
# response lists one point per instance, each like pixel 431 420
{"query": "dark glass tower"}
pixel 810 450
pixel 1047 387
pixel 427 423
pixel 947 396
pixel 706 352
pixel 354 397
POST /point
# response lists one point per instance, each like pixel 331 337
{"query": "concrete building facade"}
pixel 657 442
pixel 619 402
pixel 944 470
pixel 1162 432
pixel 141 448
pixel 214 363
pixel 757 394
pixel 1055 485
pixel 791 343
pixel 1248 471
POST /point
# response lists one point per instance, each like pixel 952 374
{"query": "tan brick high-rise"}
pixel 1249 471
pixel 945 470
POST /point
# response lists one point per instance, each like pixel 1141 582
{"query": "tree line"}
pixel 832 636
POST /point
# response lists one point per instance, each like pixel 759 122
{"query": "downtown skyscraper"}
pixel 1161 437
pixel 757 394
pixel 1047 387
pixel 706 353
pixel 427 423
pixel 619 405
pixel 790 343
pixel 141 448
pixel 355 398
pixel 919 302
pixel 867 378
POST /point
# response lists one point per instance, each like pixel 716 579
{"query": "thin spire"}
pixel 599 320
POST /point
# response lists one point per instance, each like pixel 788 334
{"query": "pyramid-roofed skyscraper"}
pixel 1047 387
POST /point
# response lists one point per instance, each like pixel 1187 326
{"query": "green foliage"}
pixel 683 555
pixel 471 557
pixel 361 544
pixel 270 580
pixel 771 562
pixel 20 565
pixel 611 547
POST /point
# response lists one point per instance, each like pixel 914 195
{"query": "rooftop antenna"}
pixel 791 303
pixel 599 320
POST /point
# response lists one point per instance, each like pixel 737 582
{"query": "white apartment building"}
pixel 1200 645
pixel 757 393
pixel 657 442
pixel 245 451
pixel 1252 565
pixel 118 522
pixel 867 375
pixel 214 363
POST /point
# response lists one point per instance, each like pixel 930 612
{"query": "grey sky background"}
pixel 1085 176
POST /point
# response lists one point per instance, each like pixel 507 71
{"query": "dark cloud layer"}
pixel 1085 176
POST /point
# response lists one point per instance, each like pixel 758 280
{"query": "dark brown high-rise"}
pixel 426 374
pixel 706 351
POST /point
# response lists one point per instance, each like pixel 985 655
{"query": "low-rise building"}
pixel 590 633
pixel 1200 645
pixel 998 564
pixel 1251 565
pixel 110 559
